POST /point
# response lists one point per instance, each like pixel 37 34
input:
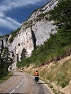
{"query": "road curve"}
pixel 23 83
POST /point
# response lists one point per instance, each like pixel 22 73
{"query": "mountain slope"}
pixel 57 75
pixel 58 45
pixel 29 35
pixel 53 58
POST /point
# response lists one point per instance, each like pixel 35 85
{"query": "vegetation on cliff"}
pixel 5 61
pixel 58 45
pixel 13 35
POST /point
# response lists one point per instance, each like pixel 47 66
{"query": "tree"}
pixel 23 54
pixel 61 14
pixel 5 62
pixel 2 46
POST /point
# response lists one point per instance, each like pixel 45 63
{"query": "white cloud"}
pixel 6 5
pixel 8 22
pixel 10 4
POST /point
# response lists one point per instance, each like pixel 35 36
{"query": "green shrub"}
pixel 63 83
pixel 13 35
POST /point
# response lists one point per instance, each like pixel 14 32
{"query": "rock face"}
pixel 22 40
pixel 35 31
pixel 44 9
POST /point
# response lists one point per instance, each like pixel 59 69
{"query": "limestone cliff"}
pixel 35 31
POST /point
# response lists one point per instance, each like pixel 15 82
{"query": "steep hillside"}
pixel 57 75
pixel 58 45
pixel 53 58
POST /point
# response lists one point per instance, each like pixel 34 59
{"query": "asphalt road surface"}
pixel 23 83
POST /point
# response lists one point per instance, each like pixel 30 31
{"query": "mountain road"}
pixel 23 83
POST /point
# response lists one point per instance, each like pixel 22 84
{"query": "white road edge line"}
pixel 18 86
pixel 22 80
pixel 13 91
pixel 48 87
pixel 45 91
pixel 20 83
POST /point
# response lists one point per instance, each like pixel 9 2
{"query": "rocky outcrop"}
pixel 22 40
pixel 35 31
pixel 44 9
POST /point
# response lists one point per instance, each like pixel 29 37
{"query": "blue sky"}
pixel 14 12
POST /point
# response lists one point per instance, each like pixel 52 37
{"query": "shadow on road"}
pixel 16 75
pixel 41 83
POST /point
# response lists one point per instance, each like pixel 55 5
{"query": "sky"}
pixel 14 12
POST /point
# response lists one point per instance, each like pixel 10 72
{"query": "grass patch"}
pixel 61 74
pixel 6 77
